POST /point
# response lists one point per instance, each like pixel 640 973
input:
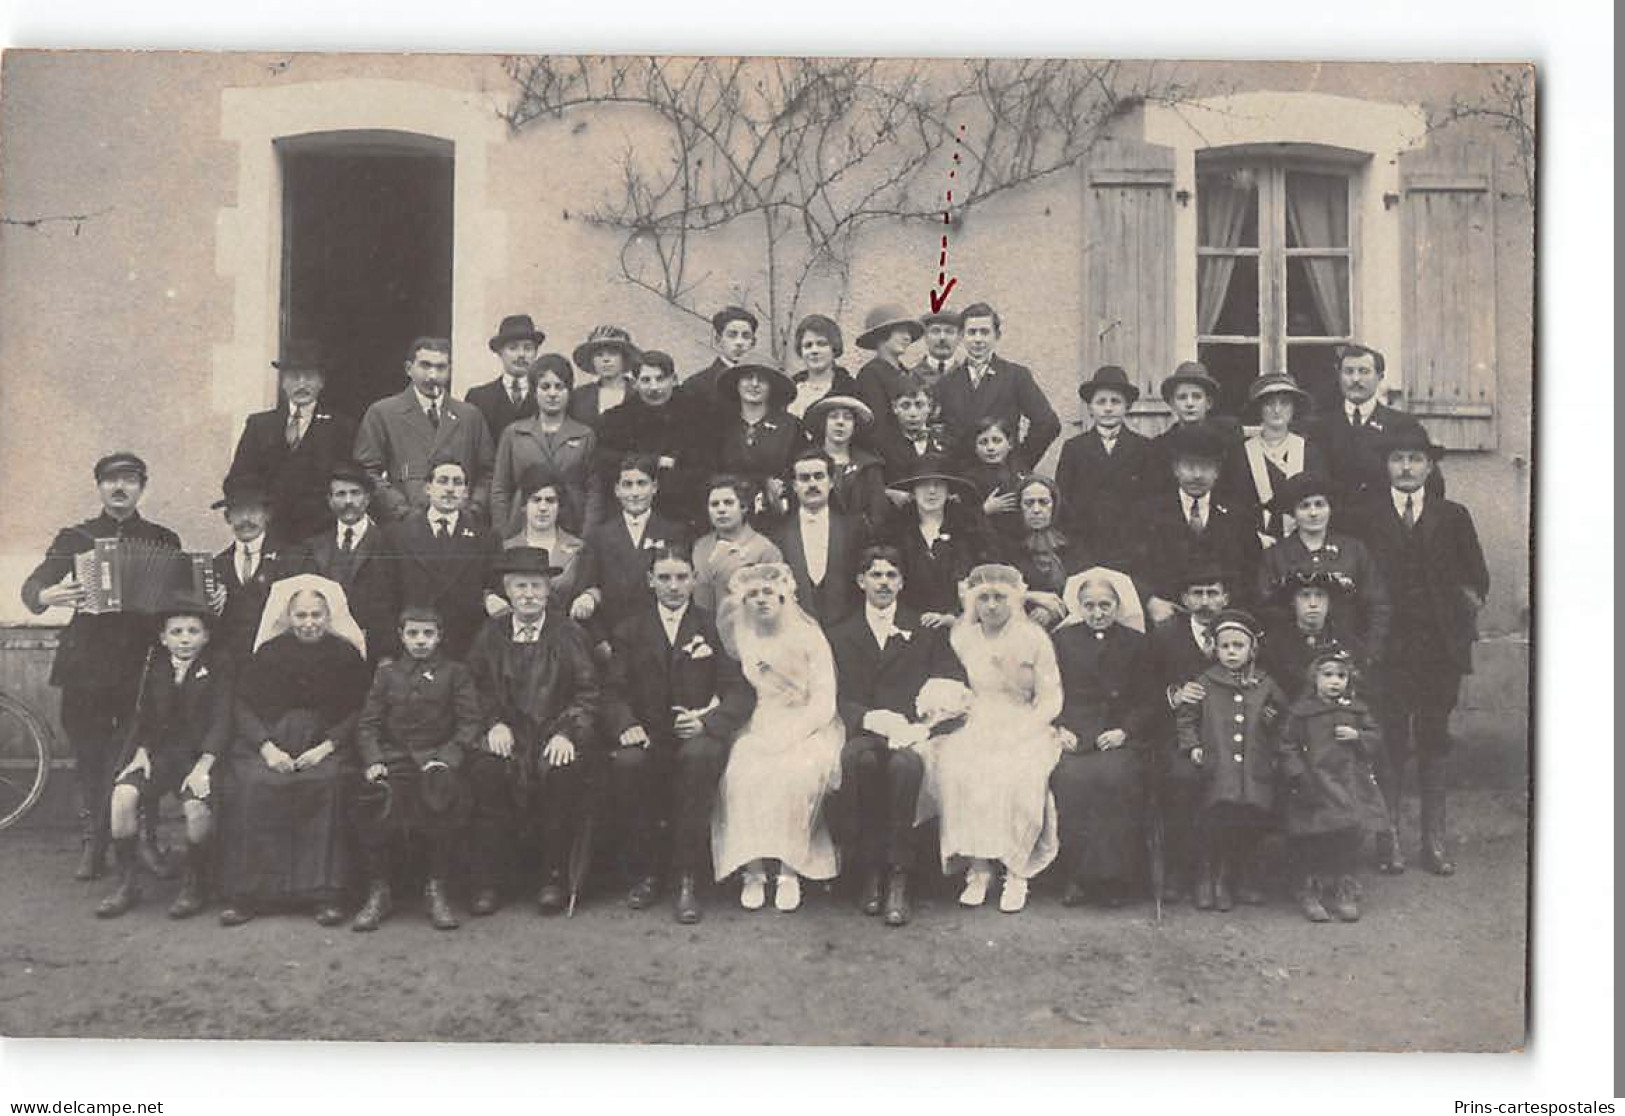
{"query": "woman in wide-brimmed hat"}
pixel 942 536
pixel 818 343
pixel 835 423
pixel 888 331
pixel 609 355
pixel 761 435
pixel 552 440
pixel 1276 452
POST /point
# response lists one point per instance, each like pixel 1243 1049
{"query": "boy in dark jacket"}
pixel 1230 734
pixel 422 715
pixel 182 722
pixel 1328 744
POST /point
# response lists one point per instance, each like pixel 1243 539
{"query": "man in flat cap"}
pixel 99 657
pixel 511 395
pixel 289 451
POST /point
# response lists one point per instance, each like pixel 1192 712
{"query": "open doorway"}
pixel 366 253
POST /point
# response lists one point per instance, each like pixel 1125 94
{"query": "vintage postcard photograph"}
pixel 816 551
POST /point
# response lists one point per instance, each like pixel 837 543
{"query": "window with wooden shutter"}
pixel 1447 278
pixel 1128 280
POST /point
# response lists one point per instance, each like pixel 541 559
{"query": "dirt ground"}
pixel 1436 964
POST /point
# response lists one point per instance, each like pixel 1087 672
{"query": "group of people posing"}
pixel 771 625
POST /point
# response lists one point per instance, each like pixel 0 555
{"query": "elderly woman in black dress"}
pixel 289 772
pixel 1109 710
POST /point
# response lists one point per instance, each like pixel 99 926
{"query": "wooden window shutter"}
pixel 1448 294
pixel 1128 261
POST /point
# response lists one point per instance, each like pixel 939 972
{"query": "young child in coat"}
pixel 995 477
pixel 183 721
pixel 422 715
pixel 1231 735
pixel 1328 744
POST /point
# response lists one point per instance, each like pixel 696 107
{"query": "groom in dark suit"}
pixel 673 703
pixel 882 658
pixel 443 557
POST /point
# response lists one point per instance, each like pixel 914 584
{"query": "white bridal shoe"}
pixel 1014 895
pixel 787 893
pixel 975 893
pixel 753 894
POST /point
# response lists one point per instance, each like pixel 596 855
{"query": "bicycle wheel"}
pixel 25 758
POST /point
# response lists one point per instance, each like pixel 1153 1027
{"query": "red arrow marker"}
pixel 939 294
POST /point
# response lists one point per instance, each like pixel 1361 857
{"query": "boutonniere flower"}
pixel 428 676
pixel 652 544
pixel 320 416
pixel 467 534
pixel 698 648
pixel 1375 425
pixel 769 424
pixel 573 441
pixel 1220 508
pixel 201 672
pixel 1331 550
pixel 903 634
pixel 943 536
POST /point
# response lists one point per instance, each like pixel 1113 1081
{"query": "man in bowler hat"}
pixel 512 395
pixel 1105 470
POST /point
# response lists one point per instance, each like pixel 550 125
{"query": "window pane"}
pixel 1234 366
pixel 1317 296
pixel 1227 209
pixel 1227 295
pixel 1315 369
pixel 1317 210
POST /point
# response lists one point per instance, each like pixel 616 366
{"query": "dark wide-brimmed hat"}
pixel 1287 586
pixel 122 462
pixel 1278 383
pixel 239 492
pixel 860 410
pixel 607 337
pixel 353 472
pixel 525 560
pixel 300 355
pixel 781 388
pixel 185 602
pixel 1108 376
pixel 1409 436
pixel 1201 440
pixel 1237 618
pixel 932 466
pixel 1190 372
pixel 556 363
pixel 720 320
pixel 879 323
pixel 1295 489
pixel 1204 571
pixel 516 327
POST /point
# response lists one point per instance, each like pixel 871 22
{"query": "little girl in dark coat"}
pixel 1230 734
pixel 1327 746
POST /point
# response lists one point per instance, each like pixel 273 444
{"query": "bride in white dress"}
pixel 989 780
pixel 787 758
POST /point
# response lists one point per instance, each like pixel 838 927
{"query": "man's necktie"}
pixel 518 397
pixel 293 427
pixel 442 530
pixel 347 543
pixel 434 415
pixel 942 368
pixel 1195 520
pixel 1207 640
pixel 527 634
pixel 1355 419
pixel 1410 511
pixel 245 566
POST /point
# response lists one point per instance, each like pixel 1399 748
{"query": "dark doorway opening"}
pixel 366 254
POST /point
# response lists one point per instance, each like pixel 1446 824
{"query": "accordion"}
pixel 133 575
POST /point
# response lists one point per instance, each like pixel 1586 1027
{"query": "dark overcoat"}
pixel 419 710
pixel 1238 739
pixel 295 479
pixel 369 580
pixel 1099 492
pixel 1008 391
pixel 450 575
pixel 496 405
pixel 1329 782
pixel 396 442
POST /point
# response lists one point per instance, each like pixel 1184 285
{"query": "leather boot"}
pixel 1390 852
pixel 869 898
pixel 92 848
pixel 439 907
pixel 152 856
pixel 687 905
pixel 1390 856
pixel 126 894
pixel 1223 869
pixel 1309 901
pixel 190 899
pixel 1435 856
pixel 378 906
pixel 898 910
pixel 1345 899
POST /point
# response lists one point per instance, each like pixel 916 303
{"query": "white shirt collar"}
pixel 1198 630
pixel 179 667
pixel 879 618
pixel 436 516
pixel 252 549
pixel 672 619
pixel 358 530
pixel 809 515
pixel 1416 498
pixel 537 623
pixel 521 381
pixel 639 520
pixel 1366 409
pixel 1203 503
pixel 983 369
pixel 424 402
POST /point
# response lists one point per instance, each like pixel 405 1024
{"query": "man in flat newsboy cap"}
pixel 99 658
